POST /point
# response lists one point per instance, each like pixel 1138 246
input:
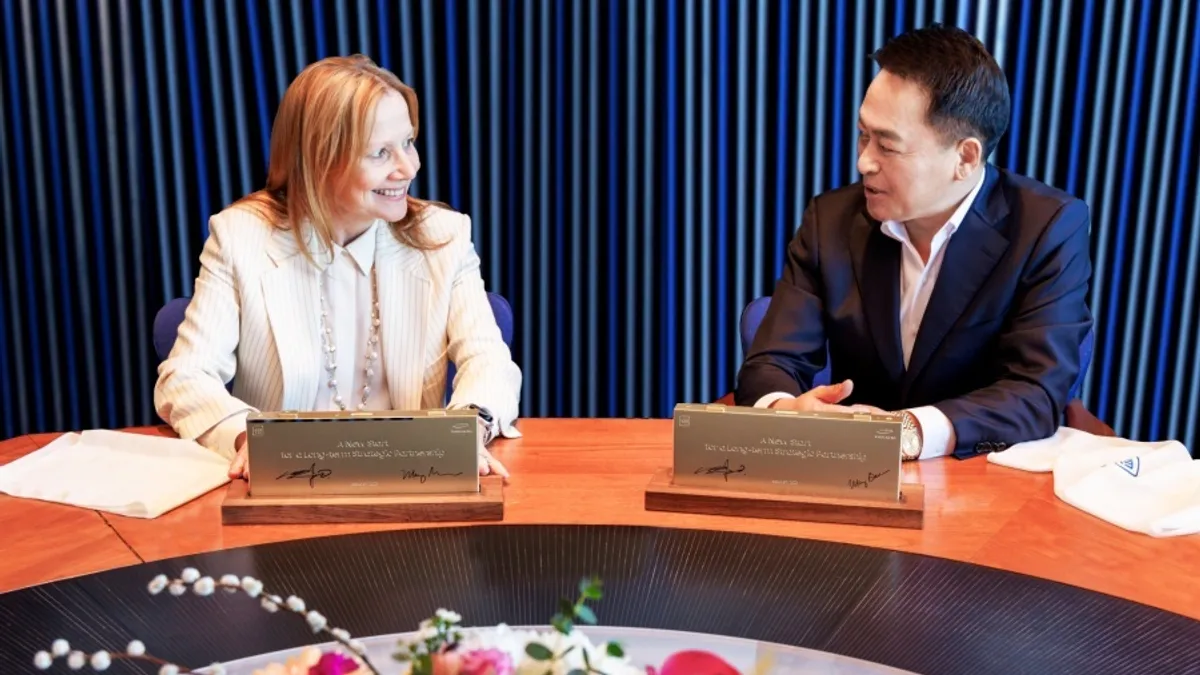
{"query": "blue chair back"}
pixel 166 326
pixel 752 316
pixel 167 320
pixel 754 312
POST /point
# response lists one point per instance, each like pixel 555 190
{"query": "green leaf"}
pixel 577 671
pixel 615 650
pixel 566 607
pixel 538 652
pixel 585 614
pixel 591 588
pixel 563 625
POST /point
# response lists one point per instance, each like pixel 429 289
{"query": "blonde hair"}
pixel 320 131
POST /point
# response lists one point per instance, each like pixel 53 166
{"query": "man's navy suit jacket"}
pixel 998 347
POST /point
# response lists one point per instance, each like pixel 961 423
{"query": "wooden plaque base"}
pixel 239 508
pixel 909 512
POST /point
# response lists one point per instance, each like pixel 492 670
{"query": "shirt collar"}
pixel 897 231
pixel 361 250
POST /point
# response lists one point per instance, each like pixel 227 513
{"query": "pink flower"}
pixel 694 662
pixel 478 662
pixel 486 662
pixel 333 663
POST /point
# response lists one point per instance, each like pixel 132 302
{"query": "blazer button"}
pixel 1000 446
pixel 983 446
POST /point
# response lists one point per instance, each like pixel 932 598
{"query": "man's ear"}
pixel 970 157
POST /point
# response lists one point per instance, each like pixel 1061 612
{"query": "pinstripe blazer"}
pixel 254 314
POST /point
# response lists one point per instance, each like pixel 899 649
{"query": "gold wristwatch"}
pixel 910 437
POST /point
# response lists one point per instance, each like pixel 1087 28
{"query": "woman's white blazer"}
pixel 254 318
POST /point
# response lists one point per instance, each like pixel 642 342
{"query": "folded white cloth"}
pixel 1153 488
pixel 128 474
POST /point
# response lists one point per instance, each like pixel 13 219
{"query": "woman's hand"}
pixel 487 463
pixel 238 468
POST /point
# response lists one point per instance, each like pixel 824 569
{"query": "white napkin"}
pixel 128 474
pixel 1153 488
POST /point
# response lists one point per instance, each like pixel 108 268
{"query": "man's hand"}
pixel 826 398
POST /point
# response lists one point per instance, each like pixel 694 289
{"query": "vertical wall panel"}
pixel 19 109
pixel 1120 224
pixel 1184 394
pixel 125 366
pixel 708 188
pixel 541 171
pixel 634 171
pixel 649 213
pixel 95 214
pixel 1155 181
pixel 137 215
pixel 241 119
pixel 576 306
pixel 497 225
pixel 1103 167
pixel 612 192
pixel 12 377
pixel 741 103
pixel 720 291
pixel 59 235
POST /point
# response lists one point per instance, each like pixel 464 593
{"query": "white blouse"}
pixel 348 297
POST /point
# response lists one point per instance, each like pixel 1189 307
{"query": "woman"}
pixel 333 288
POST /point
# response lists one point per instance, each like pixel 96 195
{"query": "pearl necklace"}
pixel 330 348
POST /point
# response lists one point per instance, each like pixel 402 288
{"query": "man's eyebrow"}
pixel 886 133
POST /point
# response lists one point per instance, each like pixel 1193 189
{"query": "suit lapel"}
pixel 290 292
pixel 404 292
pixel 968 261
pixel 876 260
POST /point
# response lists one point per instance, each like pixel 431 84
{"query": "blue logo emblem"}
pixel 1131 466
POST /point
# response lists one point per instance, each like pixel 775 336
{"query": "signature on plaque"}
pixel 311 472
pixel 723 470
pixel 422 477
pixel 871 477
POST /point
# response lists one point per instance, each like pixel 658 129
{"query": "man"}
pixel 946 289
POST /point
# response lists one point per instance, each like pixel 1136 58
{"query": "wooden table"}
pixel 595 472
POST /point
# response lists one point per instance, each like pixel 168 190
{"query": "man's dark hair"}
pixel 968 93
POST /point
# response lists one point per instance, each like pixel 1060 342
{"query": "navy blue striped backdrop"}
pixel 634 170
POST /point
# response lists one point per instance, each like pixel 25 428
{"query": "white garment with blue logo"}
pixel 1153 488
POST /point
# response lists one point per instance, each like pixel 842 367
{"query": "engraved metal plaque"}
pixel 741 449
pixel 312 454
